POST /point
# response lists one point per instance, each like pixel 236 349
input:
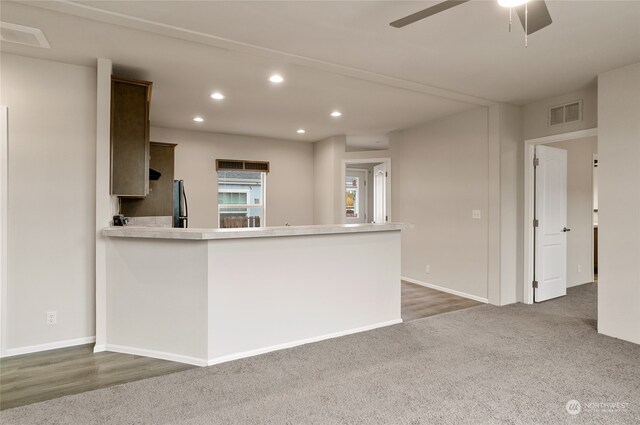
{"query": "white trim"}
pixel 447 290
pixel 363 188
pixel 345 162
pixel 156 354
pixel 50 346
pixel 262 206
pixel 99 348
pixel 4 198
pixel 106 205
pixel 236 356
pixel 292 344
pixel 589 132
pixel 529 153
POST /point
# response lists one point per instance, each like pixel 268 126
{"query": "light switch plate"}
pixel 475 214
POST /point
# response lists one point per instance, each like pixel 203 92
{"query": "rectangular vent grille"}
pixel 14 33
pixel 566 113
pixel 240 165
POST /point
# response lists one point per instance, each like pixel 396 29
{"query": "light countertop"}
pixel 256 232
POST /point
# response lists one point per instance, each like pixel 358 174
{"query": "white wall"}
pixel 51 200
pixel 290 184
pixel 536 118
pixel 619 203
pixel 579 208
pixel 440 174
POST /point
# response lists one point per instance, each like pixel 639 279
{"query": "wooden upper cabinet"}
pixel 159 202
pixel 130 137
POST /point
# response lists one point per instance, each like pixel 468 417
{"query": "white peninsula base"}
pixel 203 296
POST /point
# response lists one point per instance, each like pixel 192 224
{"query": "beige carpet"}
pixel 484 365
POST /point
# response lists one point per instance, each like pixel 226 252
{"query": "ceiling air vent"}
pixel 14 33
pixel 240 165
pixel 566 113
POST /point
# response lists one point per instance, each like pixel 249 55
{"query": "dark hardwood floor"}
pixel 32 378
pixel 419 302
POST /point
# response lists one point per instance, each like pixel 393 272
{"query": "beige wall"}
pixel 439 176
pixel 535 115
pixel 51 199
pixel 289 192
pixel 619 203
pixel 327 186
pixel 579 208
pixel 510 224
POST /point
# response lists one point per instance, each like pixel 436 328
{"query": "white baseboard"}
pixel 99 348
pixel 447 290
pixel 49 346
pixel 250 353
pixel 156 354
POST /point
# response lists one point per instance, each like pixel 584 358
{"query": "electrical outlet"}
pixel 579 268
pixel 427 268
pixel 52 317
pixel 475 214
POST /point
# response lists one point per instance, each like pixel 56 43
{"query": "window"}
pixel 352 198
pixel 241 198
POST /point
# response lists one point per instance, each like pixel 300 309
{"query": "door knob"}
pixel 566 230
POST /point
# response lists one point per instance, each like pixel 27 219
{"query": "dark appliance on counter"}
pixel 120 220
pixel 180 208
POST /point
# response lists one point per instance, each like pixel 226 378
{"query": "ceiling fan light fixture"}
pixel 511 3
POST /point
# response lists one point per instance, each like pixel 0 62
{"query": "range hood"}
pixel 154 175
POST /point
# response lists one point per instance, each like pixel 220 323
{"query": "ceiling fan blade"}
pixel 426 13
pixel 539 16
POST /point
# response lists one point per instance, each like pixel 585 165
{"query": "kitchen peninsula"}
pixel 206 296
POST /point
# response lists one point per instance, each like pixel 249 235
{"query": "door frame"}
pixel 529 153
pixel 345 163
pixel 366 189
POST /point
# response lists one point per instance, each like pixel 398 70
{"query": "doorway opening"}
pixel 367 190
pixel 560 240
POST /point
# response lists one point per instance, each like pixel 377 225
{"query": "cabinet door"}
pixel 159 202
pixel 130 137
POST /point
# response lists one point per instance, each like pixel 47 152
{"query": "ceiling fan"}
pixel 533 14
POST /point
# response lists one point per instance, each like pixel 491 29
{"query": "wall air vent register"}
pixel 241 165
pixel 565 113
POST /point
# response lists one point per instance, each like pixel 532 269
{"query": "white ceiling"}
pixel 334 55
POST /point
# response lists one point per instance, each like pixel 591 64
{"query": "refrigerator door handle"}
pixel 186 208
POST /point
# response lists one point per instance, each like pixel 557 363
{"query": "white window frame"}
pixel 365 192
pixel 248 206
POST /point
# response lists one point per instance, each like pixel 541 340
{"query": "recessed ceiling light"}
pixel 336 114
pixel 217 96
pixel 275 78
pixel 198 119
pixel 301 131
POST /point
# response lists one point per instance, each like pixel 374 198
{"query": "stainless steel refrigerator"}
pixel 180 208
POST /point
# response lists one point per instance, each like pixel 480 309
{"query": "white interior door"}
pixel 551 231
pixel 380 193
pixel 356 196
